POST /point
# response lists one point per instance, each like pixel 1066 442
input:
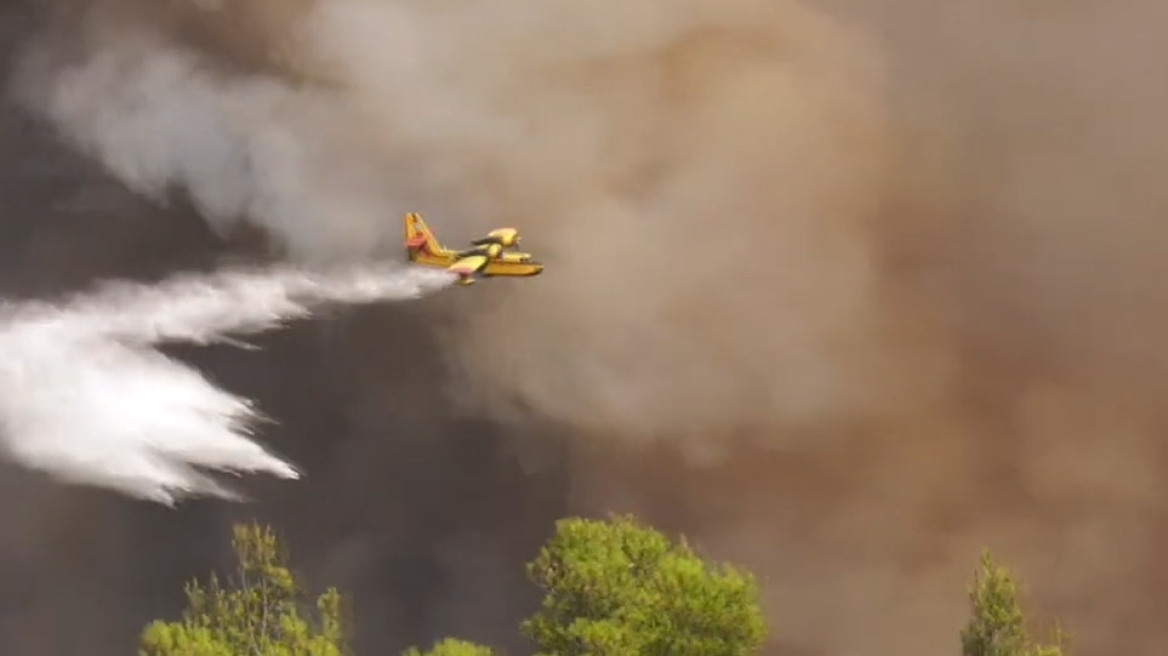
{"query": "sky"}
pixel 845 291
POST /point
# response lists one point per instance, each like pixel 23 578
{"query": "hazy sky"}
pixel 844 291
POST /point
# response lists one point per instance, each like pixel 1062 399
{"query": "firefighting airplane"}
pixel 487 259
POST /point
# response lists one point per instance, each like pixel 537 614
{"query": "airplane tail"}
pixel 418 235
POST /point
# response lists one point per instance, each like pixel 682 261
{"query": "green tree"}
pixel 997 625
pixel 451 647
pixel 617 588
pixel 261 612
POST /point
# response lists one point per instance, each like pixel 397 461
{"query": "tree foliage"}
pixel 451 647
pixel 997 626
pixel 260 612
pixel 611 588
pixel 617 588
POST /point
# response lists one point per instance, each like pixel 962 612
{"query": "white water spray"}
pixel 86 398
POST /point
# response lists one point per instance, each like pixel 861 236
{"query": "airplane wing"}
pixel 468 265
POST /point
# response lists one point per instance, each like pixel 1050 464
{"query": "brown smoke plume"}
pixel 700 180
pixel 893 280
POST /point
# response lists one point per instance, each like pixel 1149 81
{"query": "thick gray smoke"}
pixel 86 398
pixel 681 165
pixel 243 148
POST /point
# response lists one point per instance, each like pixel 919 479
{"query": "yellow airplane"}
pixel 487 259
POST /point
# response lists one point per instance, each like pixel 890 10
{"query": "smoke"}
pixel 242 148
pixel 886 271
pixel 639 159
pixel 85 397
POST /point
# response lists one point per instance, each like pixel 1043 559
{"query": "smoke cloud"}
pixel 639 158
pixel 86 399
pixel 845 291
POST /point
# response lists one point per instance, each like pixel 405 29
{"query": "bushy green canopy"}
pixel 997 626
pixel 259 613
pixel 611 588
pixel 451 647
pixel 618 588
